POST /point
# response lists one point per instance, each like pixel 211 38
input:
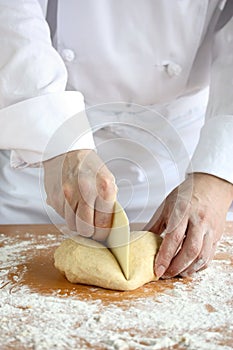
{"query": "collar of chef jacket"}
pixel 223 14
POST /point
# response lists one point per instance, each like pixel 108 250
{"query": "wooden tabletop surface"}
pixel 199 306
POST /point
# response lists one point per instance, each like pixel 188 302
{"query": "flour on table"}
pixel 180 317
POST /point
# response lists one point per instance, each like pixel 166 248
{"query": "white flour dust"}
pixel 193 315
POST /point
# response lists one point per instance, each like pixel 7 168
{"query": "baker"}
pixel 106 97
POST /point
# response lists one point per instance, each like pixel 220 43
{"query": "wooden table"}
pixel 40 309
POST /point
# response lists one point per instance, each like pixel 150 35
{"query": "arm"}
pixel 193 215
pixel 40 121
pixel 214 151
pixel 33 100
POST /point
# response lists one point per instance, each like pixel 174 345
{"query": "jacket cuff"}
pixel 43 127
pixel 214 152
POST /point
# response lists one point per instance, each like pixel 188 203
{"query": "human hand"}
pixel 82 190
pixel 193 217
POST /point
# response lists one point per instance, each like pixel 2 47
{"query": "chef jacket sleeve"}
pixel 214 152
pixel 38 118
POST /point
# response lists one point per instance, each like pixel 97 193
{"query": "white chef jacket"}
pixel 145 52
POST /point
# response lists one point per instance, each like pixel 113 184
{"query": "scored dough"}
pixel 89 262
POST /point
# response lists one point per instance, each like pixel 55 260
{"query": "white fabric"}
pixel 33 100
pixel 149 52
pixel 22 196
pixel 147 162
pixel 37 116
pixel 148 150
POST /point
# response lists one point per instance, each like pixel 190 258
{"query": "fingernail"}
pixel 165 277
pixel 184 274
pixel 160 270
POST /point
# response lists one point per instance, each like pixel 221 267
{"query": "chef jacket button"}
pixel 138 172
pixel 68 55
pixel 173 69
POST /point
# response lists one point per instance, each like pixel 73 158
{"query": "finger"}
pixel 79 209
pixel 106 187
pixel 205 256
pixel 189 251
pixel 107 190
pixel 85 218
pixel 70 216
pixel 169 247
pixel 70 205
pixel 212 253
pixel 102 219
pixel 56 201
pixel 211 257
pixel 71 194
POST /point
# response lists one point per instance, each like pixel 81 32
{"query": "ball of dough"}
pixel 89 262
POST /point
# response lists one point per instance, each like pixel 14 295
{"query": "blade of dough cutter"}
pixel 119 238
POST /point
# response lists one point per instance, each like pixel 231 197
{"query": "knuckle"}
pixel 102 215
pixel 203 213
pixel 184 206
pixel 67 191
pixel 176 237
pixel 107 187
pixel 103 221
pixel 67 187
pixel 105 182
pixel 84 184
pixel 84 228
pixel 200 217
pixel 71 224
pixel 193 250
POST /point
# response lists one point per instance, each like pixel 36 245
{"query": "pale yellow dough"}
pixel 89 262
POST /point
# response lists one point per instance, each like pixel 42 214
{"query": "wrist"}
pixel 214 182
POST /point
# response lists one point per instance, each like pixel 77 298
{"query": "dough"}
pixel 89 262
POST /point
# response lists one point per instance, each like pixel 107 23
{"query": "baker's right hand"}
pixel 82 190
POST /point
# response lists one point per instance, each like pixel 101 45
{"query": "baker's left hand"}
pixel 192 218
